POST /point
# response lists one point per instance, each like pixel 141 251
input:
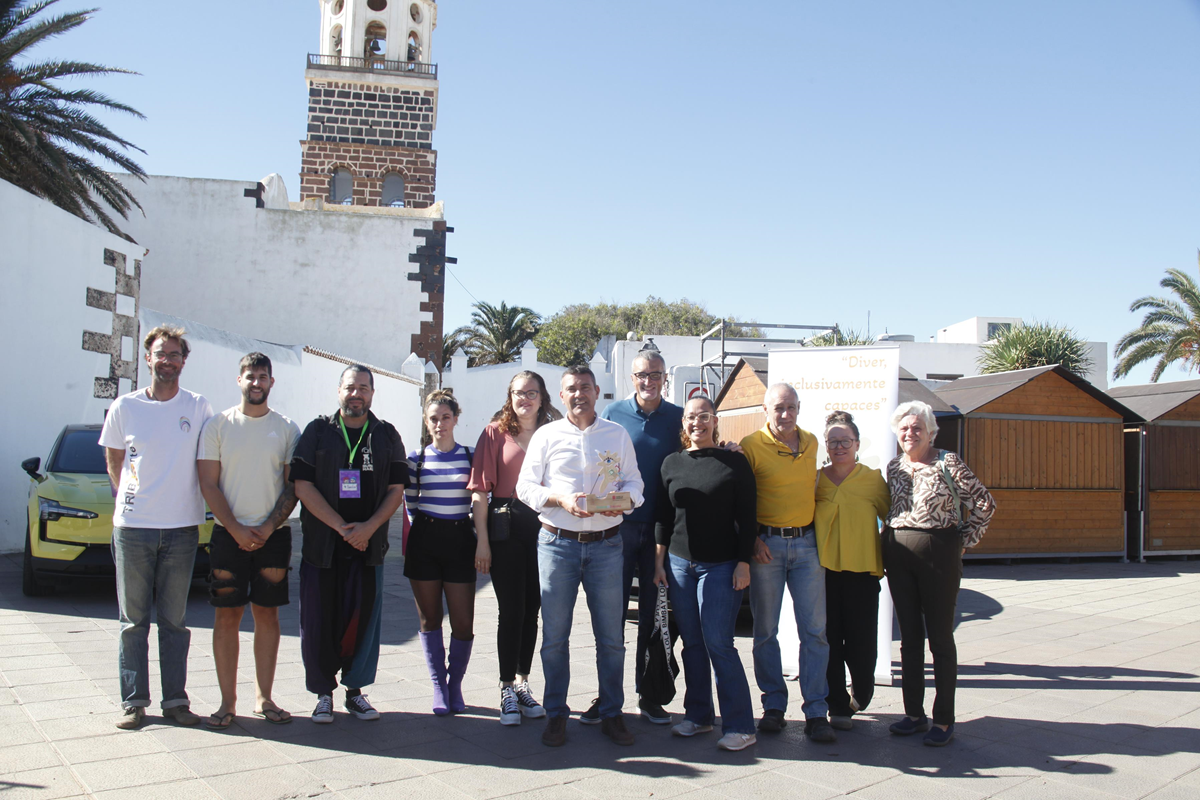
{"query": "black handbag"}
pixel 658 683
pixel 500 519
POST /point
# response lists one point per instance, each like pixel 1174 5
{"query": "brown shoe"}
pixel 614 728
pixel 555 732
pixel 131 718
pixel 182 715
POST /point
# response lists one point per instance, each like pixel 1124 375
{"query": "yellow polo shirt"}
pixel 847 521
pixel 786 483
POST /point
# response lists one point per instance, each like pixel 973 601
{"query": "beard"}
pixel 165 373
pixel 351 413
pixel 252 400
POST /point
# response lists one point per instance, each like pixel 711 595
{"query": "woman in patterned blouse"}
pixel 939 509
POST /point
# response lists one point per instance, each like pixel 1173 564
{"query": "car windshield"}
pixel 80 451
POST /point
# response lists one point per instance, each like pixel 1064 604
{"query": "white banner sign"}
pixel 866 382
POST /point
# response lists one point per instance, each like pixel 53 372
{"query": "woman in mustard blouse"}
pixel 851 499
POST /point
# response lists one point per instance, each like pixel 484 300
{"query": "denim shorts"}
pixel 248 584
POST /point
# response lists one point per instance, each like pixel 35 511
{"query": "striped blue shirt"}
pixel 438 487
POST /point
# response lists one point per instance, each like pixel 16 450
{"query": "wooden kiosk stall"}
pixel 1164 453
pixel 1050 448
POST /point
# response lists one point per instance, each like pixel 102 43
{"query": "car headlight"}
pixel 52 510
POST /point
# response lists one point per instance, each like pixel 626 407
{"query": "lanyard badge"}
pixel 350 480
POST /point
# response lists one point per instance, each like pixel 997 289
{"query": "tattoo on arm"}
pixel 283 507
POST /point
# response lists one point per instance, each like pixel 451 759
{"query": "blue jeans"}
pixel 639 553
pixel 794 563
pixel 562 565
pixel 154 567
pixel 706 607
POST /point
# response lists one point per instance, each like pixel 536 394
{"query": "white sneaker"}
pixel 736 741
pixel 689 728
pixel 323 713
pixel 360 707
pixel 841 723
pixel 529 706
pixel 510 710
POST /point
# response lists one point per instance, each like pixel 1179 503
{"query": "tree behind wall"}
pixel 1037 344
pixel 571 335
pixel 496 333
pixel 47 133
pixel 1170 331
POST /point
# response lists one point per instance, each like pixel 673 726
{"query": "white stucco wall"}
pixel 305 384
pixel 334 280
pixel 480 390
pixel 49 259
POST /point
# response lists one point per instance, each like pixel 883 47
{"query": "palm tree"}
pixel 1169 332
pixel 453 342
pixel 839 337
pixel 48 134
pixel 1038 344
pixel 497 333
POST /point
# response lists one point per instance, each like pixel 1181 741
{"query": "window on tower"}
pixel 393 190
pixel 414 47
pixel 376 44
pixel 414 11
pixel 377 5
pixel 335 42
pixel 341 187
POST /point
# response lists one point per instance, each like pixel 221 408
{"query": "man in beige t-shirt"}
pixel 243 462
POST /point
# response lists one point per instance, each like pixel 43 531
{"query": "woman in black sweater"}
pixel 705 534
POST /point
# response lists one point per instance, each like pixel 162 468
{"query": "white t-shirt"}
pixel 159 487
pixel 253 452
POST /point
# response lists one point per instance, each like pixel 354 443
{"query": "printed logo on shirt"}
pixel 367 465
pixel 185 424
pixel 609 465
pixel 132 486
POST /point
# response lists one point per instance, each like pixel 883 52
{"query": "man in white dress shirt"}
pixel 565 462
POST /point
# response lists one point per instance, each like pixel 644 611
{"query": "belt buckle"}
pixel 789 533
pixel 587 537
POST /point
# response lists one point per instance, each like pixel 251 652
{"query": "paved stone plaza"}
pixel 1077 681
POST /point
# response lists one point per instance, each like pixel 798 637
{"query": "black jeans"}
pixel 518 593
pixel 924 569
pixel 851 625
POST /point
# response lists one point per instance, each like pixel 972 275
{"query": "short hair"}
pixel 651 355
pixel 915 408
pixel 775 387
pixel 443 397
pixel 355 369
pixel 579 369
pixel 252 360
pixel 841 418
pixel 171 332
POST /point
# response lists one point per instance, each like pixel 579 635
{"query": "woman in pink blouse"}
pixel 939 509
pixel 511 555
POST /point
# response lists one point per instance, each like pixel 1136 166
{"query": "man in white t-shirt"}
pixel 150 438
pixel 243 466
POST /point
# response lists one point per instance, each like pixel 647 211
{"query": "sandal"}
pixel 275 716
pixel 218 722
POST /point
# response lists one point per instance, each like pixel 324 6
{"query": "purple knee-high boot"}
pixel 460 655
pixel 435 659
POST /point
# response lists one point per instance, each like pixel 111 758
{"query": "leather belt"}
pixel 786 533
pixel 584 537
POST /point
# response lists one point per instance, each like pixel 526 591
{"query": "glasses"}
pixel 702 417
pixel 532 394
pixel 647 377
pixel 840 444
pixel 159 355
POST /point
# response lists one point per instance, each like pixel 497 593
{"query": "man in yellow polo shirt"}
pixel 784 459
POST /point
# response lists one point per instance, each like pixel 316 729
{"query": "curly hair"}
pixel 507 415
pixel 716 434
pixel 841 418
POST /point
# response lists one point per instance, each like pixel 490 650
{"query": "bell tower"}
pixel 372 105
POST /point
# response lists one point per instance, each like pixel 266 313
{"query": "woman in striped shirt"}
pixel 440 558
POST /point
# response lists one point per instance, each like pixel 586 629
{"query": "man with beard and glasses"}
pixel 565 462
pixel 150 438
pixel 243 466
pixel 350 473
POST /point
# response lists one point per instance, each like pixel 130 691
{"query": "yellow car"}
pixel 69 530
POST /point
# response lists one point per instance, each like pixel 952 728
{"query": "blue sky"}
pixel 799 161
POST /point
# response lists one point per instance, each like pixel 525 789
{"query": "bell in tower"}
pixel 372 105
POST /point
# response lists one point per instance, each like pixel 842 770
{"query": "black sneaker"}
pixel 529 706
pixel 359 707
pixel 818 729
pixel 772 721
pixel 592 715
pixel 653 712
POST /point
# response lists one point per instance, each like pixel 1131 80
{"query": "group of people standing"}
pixel 707 519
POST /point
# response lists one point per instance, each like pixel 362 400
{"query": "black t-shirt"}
pixel 707 506
pixel 356 509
